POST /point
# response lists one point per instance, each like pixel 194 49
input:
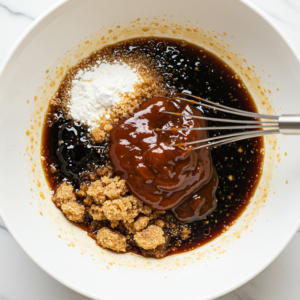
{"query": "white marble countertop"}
pixel 21 278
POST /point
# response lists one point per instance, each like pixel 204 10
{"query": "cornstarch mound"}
pixel 97 89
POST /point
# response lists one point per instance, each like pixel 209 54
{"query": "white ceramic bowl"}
pixel 63 250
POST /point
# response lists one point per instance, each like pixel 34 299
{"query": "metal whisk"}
pixel 268 124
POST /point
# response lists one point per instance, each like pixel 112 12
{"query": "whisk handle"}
pixel 289 124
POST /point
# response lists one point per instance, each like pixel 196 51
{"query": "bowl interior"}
pixel 235 31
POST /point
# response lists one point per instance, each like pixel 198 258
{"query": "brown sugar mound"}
pixel 73 211
pixel 107 188
pixel 97 213
pixel 121 223
pixel 151 85
pixel 150 238
pixel 124 209
pixel 109 195
pixel 64 193
pixel 88 200
pixel 160 223
pixel 111 239
pixel 96 191
pixel 65 198
pixel 98 135
pixel 141 223
pixel 160 251
pixel 112 191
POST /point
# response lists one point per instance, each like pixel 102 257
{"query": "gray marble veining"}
pixel 277 282
pixel 15 13
pixel 2 226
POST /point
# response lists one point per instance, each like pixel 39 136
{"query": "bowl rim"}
pixel 64 281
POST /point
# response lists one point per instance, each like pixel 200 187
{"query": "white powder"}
pixel 94 92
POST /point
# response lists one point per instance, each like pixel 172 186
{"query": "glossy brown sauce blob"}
pixel 157 172
pixel 201 203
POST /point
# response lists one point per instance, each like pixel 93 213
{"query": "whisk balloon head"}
pixel 258 125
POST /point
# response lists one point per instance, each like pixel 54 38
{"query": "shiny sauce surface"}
pixel 157 171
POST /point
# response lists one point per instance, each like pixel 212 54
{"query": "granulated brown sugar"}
pixel 65 199
pixel 108 204
pixel 73 211
pixel 64 193
pixel 140 224
pixel 98 135
pixel 110 239
pixel 125 214
pixel 150 237
pixel 152 85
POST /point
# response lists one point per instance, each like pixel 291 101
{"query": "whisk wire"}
pixel 243 135
pixel 219 128
pixel 236 139
pixel 263 125
pixel 218 119
pixel 224 108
